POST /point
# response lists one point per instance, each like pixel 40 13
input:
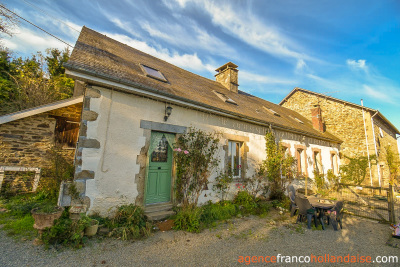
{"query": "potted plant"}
pixel 92 226
pixel 45 214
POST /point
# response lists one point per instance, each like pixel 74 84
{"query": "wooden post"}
pixel 1 176
pixel 392 215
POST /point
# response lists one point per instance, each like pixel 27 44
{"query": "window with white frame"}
pixel 235 158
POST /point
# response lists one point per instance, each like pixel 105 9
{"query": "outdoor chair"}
pixel 335 215
pixel 293 206
pixel 305 211
pixel 292 195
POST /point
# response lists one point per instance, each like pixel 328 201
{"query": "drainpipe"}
pixel 366 142
pixel 376 151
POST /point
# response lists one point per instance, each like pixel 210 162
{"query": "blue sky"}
pixel 346 49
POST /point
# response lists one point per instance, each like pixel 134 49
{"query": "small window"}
pixel 153 73
pixel 225 98
pixel 270 110
pixel 301 161
pixel 296 119
pixel 235 159
pixel 317 162
pixel 334 163
pixel 160 153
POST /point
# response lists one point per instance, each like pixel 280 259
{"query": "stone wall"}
pixel 26 142
pixel 346 122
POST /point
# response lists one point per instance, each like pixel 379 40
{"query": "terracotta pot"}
pixel 45 220
pixel 165 225
pixel 92 229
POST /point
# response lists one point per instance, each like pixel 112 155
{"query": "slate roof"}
pixel 379 114
pixel 97 55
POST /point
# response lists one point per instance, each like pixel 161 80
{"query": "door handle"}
pixel 159 168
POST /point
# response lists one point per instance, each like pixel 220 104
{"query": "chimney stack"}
pixel 228 76
pixel 317 118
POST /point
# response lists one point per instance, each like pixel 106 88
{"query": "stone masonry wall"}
pixel 346 122
pixel 26 142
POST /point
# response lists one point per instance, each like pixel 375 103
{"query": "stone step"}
pixel 157 207
pixel 160 215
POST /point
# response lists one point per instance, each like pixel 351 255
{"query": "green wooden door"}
pixel 158 185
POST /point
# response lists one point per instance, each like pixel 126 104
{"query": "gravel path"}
pixel 220 246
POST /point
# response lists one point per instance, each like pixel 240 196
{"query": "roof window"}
pixel 298 120
pixel 272 111
pixel 224 98
pixel 153 73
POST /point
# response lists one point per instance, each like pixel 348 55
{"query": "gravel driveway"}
pixel 221 246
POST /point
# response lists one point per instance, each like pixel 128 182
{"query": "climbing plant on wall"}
pixel 278 168
pixel 195 158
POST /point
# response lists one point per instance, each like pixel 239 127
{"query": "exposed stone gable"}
pixel 346 122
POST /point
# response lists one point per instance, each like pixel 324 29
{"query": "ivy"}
pixel 356 170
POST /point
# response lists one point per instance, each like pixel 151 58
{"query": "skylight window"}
pixel 296 119
pixel 153 73
pixel 225 98
pixel 270 110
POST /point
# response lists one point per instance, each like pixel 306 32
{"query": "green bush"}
pixel 188 219
pixel 66 232
pixel 246 201
pixel 212 212
pixel 129 222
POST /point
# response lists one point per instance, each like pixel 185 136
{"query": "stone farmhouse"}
pixel 134 107
pixel 27 136
pixel 364 131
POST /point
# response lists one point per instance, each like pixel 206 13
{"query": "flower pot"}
pixel 91 230
pixel 44 220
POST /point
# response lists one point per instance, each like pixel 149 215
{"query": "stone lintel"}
pixel 162 127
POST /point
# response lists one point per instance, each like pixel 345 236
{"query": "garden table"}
pixel 322 205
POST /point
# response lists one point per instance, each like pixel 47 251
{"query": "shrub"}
pixel 212 212
pixel 188 219
pixel 246 202
pixel 66 232
pixel 195 158
pixel 319 180
pixel 333 180
pixel 278 168
pixel 129 222
pixel 223 182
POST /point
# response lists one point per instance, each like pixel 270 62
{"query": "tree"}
pixel 7 20
pixel 33 81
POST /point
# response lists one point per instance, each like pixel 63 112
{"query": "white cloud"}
pixel 301 65
pixel 186 61
pixel 25 40
pixel 250 29
pixel 256 78
pixel 377 93
pixel 357 64
pixel 190 35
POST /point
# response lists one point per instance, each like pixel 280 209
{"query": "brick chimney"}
pixel 317 118
pixel 228 76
